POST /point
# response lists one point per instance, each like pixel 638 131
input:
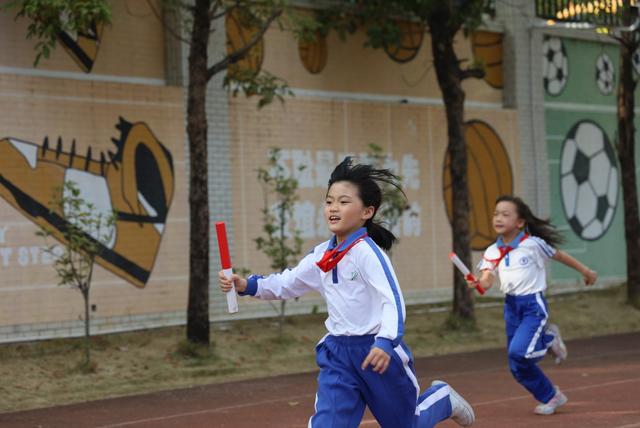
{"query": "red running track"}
pixel 601 379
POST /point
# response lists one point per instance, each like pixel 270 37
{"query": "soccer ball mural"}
pixel 635 58
pixel 555 66
pixel 588 180
pixel 605 74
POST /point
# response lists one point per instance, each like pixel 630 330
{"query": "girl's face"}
pixel 506 220
pixel 343 209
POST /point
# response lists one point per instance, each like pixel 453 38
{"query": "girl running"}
pixel 519 256
pixel 363 360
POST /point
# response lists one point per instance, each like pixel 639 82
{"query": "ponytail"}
pixel 380 235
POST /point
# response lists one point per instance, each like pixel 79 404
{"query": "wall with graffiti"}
pixel 580 82
pixel 120 137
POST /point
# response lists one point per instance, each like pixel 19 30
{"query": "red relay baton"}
pixel 466 272
pixel 225 260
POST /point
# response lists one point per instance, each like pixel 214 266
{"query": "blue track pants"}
pixel 525 321
pixel 344 389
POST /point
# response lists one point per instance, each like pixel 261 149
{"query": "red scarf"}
pixel 333 256
pixel 504 251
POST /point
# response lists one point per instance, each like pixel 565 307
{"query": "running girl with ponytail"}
pixel 525 243
pixel 363 360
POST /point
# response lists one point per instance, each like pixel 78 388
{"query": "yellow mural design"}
pixel 313 53
pixel 240 29
pixel 489 175
pixel 83 46
pixel 411 37
pixel 487 49
pixel 136 182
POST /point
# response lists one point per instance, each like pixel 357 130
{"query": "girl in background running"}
pixel 525 243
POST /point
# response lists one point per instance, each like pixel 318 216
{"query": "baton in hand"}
pixel 466 272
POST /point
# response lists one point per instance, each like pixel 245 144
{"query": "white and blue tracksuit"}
pixel 365 309
pixel 523 279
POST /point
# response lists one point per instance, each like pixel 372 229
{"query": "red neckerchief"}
pixel 505 250
pixel 333 256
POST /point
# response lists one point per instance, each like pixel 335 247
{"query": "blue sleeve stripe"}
pixel 394 289
pixel 548 250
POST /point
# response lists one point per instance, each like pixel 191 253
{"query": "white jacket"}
pixel 362 292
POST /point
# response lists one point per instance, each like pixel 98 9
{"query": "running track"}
pixel 601 379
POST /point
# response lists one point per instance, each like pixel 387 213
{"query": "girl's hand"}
pixel 472 284
pixel 485 281
pixel 590 277
pixel 238 281
pixel 378 359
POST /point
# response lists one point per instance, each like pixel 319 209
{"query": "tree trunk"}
pixel 198 307
pixel 449 79
pixel 626 155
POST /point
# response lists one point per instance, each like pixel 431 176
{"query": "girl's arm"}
pixel 486 280
pixel 589 275
pixel 375 268
pixel 379 274
pixel 288 284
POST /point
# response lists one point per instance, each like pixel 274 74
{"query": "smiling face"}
pixel 506 221
pixel 343 209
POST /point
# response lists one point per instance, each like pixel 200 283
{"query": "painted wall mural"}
pixel 605 74
pixel 555 65
pixel 584 175
pixel 589 180
pixel 489 176
pixel 136 182
pixel 636 61
pixel 411 38
pixel 314 53
pixel 83 46
pixel 487 49
pixel 240 29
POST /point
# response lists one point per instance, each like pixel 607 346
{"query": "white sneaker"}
pixel 461 411
pixel 550 408
pixel 558 347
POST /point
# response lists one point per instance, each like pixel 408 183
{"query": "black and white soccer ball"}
pixel 555 65
pixel 635 58
pixel 588 180
pixel 605 74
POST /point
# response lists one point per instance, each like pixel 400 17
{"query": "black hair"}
pixel 534 225
pixel 367 179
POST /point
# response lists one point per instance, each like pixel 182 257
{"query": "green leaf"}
pixel 48 18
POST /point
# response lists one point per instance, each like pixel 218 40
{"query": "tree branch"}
pixel 213 15
pixel 240 53
pixel 171 30
pixel 476 73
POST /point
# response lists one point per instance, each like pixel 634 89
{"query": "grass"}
pixel 48 373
